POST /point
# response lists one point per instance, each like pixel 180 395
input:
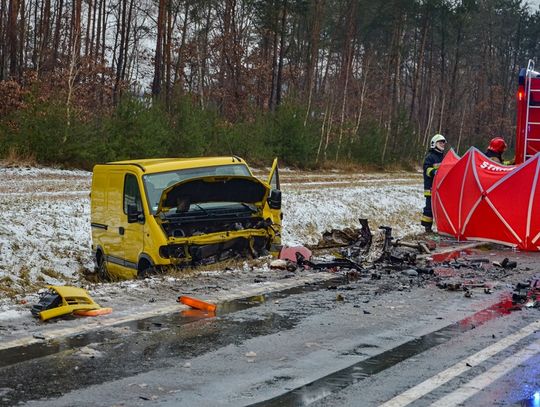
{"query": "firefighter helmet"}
pixel 435 139
pixel 497 145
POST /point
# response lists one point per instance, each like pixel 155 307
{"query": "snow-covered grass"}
pixel 45 224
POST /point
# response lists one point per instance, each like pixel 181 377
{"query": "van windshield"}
pixel 154 184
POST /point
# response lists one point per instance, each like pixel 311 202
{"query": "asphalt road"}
pixel 341 342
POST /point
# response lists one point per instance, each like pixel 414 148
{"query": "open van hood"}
pixel 214 189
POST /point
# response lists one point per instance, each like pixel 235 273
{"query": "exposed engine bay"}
pixel 204 219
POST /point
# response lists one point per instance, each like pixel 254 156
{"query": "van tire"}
pixel 101 269
pixel 145 269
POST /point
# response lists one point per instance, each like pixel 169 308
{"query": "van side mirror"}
pixel 274 200
pixel 133 215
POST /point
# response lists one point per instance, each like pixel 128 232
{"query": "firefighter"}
pixel 431 164
pixel 495 150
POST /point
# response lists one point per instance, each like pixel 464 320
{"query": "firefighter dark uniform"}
pixel 493 156
pixel 431 164
pixel 497 146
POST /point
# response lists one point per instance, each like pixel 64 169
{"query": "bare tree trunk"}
pixel 57 28
pixel 461 128
pixel 90 51
pixel 3 42
pixel 272 100
pixel 365 71
pixel 88 25
pixel 98 30
pixel 322 133
pixel 126 40
pixel 45 30
pixel 36 40
pixel 314 53
pixel 202 79
pixel 328 132
pixel 346 67
pixel 22 40
pixel 343 107
pixel 118 43
pixel 315 33
pixel 158 64
pixel 13 11
pixel 75 37
pixel 72 74
pixel 101 55
pixel 179 66
pixel 168 43
pixel 419 65
pixel 388 129
pixel 281 54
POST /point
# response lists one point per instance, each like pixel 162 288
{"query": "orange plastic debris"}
pixel 197 304
pixel 92 312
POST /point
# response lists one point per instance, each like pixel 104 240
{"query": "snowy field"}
pixel 45 228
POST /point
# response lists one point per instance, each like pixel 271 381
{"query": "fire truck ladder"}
pixel 531 86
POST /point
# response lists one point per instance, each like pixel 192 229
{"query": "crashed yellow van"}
pixel 151 214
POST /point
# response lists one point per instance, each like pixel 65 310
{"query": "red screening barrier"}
pixel 474 198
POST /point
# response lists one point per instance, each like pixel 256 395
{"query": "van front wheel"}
pixel 102 271
pixel 145 269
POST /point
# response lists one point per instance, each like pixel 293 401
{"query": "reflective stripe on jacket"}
pixel 431 163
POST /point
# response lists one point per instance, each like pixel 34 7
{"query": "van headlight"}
pixel 172 251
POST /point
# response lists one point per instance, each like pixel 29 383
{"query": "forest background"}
pixel 317 83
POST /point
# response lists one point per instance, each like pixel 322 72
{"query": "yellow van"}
pixel 149 214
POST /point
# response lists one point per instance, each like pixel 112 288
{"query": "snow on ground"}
pixel 45 228
pixel 313 207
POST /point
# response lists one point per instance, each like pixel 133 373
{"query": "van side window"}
pixel 132 194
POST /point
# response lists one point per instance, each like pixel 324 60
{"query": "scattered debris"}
pixel 63 300
pixel 332 264
pixel 290 253
pixel 359 249
pixel 527 294
pixel 345 237
pixel 410 273
pixel 278 264
pixel 93 312
pixel 197 304
pixel 450 286
pixel 283 265
pixel 507 264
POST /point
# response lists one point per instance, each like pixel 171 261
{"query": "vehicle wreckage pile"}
pixel 362 251
pixel 359 253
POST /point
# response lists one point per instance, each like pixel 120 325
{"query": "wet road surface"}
pixel 332 343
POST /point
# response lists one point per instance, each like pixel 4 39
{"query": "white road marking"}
pixel 484 380
pixel 427 386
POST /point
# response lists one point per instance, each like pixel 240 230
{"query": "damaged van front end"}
pixel 209 219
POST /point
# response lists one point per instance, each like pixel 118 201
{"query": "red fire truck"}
pixel 528 114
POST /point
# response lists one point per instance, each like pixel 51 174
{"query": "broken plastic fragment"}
pixel 197 304
pixel 93 312
pixel 289 253
pixel 62 300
